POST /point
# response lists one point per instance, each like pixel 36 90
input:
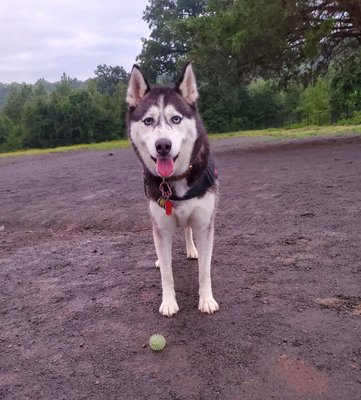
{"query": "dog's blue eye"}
pixel 176 119
pixel 148 121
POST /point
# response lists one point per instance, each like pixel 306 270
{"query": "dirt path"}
pixel 80 296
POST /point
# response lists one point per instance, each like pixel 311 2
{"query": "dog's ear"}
pixel 137 87
pixel 187 85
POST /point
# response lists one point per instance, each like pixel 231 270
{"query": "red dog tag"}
pixel 168 207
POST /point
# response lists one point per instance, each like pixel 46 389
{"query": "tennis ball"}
pixel 157 342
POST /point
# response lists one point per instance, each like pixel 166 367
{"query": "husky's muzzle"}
pixel 164 161
pixel 163 147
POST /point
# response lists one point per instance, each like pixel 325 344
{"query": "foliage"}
pixel 6 126
pixel 265 104
pixel 16 100
pixel 5 89
pixel 346 83
pixel 241 40
pixel 258 63
pixel 108 78
pixel 354 119
pixel 316 97
pixel 69 114
pixel 166 48
pixel 224 109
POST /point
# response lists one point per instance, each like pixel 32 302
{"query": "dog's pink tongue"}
pixel 165 166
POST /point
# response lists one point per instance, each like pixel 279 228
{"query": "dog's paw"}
pixel 192 253
pixel 157 264
pixel 207 304
pixel 169 307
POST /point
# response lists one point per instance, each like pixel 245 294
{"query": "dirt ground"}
pixel 79 294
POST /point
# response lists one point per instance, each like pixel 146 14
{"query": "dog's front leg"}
pixel 204 238
pixel 163 245
pixel 164 227
pixel 190 247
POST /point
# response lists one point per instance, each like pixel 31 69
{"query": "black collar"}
pixel 205 181
pixel 200 186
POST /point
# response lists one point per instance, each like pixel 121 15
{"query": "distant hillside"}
pixel 5 88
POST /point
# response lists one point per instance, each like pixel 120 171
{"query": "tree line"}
pixel 69 112
pixel 258 64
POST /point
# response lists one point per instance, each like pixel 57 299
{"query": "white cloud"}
pixel 44 38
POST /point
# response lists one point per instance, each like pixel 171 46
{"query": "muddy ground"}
pixel 80 295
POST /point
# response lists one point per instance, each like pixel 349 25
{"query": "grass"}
pixel 296 133
pixel 115 144
pixel 266 134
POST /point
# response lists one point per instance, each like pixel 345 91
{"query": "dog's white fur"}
pixel 195 215
pixel 146 136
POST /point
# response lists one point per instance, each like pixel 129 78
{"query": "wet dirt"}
pixel 80 293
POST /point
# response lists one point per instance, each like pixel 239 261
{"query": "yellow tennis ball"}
pixel 157 342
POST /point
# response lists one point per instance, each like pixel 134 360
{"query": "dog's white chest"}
pixel 182 213
pixel 194 212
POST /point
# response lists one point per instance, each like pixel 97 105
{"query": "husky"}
pixel 180 178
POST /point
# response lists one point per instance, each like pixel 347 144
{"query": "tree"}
pixel 314 103
pixel 40 88
pixel 16 100
pixel 345 83
pixel 38 121
pixel 265 105
pixel 67 112
pixel 107 78
pixel 167 47
pixel 225 109
pixel 6 127
pixel 287 38
pixel 316 97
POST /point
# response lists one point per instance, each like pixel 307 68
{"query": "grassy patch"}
pixel 298 133
pixel 115 144
pixel 266 134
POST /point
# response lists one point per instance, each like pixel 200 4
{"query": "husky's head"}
pixel 163 123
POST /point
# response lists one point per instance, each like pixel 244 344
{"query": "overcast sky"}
pixel 44 38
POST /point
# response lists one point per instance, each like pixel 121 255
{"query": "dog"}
pixel 180 178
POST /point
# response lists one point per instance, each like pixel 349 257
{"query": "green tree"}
pixel 345 84
pixel 315 102
pixel 40 88
pixel 226 108
pixel 38 123
pixel 249 39
pixel 68 112
pixel 266 104
pixel 167 47
pixel 316 97
pixel 16 100
pixel 107 78
pixel 6 129
pixel 65 86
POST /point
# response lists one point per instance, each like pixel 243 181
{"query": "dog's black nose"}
pixel 163 146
